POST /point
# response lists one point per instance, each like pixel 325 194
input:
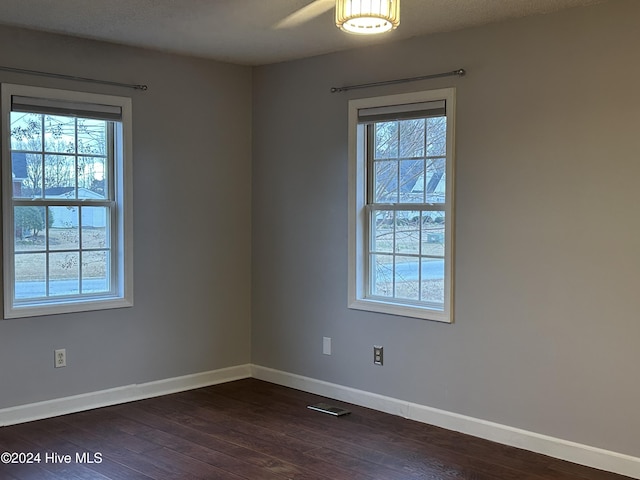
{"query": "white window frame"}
pixel 121 294
pixel 358 215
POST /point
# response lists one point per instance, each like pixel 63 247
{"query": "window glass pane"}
pixel 412 133
pixel 18 173
pixel 436 136
pixel 64 273
pixel 386 182
pixel 433 234
pixel 436 180
pixel 386 140
pixel 412 181
pixel 382 275
pixel 92 136
pixel 30 275
pixel 408 231
pixel 59 134
pixel 407 278
pixel 95 227
pixel 92 177
pixel 382 231
pixel 26 131
pixel 63 228
pixel 29 228
pixel 95 272
pixel 26 172
pixel 433 280
pixel 59 176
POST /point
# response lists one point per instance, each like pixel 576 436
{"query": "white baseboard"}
pixel 546 445
pixel 113 396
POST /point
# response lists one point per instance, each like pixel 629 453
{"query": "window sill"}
pixel 399 309
pixel 44 309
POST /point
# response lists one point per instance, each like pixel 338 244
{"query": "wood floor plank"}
pixel 254 430
pixel 202 433
pixel 57 434
pixel 44 439
pixel 209 455
pixel 123 450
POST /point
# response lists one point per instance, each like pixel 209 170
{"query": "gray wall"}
pixel 192 175
pixel 547 229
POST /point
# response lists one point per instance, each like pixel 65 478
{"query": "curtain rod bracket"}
pixel 460 72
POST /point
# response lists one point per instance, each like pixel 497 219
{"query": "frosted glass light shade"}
pixel 367 17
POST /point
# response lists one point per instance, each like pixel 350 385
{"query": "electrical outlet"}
pixel 378 357
pixel 326 345
pixel 60 358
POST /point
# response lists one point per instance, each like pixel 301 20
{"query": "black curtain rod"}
pixel 71 77
pixel 460 72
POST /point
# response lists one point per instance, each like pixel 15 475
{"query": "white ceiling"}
pixel 245 31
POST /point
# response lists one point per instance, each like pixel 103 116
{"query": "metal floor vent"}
pixel 329 409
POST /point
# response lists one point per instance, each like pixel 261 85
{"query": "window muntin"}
pixel 67 207
pixel 401 201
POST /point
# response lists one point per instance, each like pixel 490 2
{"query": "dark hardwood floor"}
pixel 255 430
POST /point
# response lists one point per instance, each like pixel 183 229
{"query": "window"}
pixel 401 204
pixel 66 177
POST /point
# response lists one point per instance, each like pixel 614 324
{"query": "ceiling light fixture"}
pixel 367 17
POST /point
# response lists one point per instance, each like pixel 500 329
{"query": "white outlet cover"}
pixel 326 345
pixel 60 358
